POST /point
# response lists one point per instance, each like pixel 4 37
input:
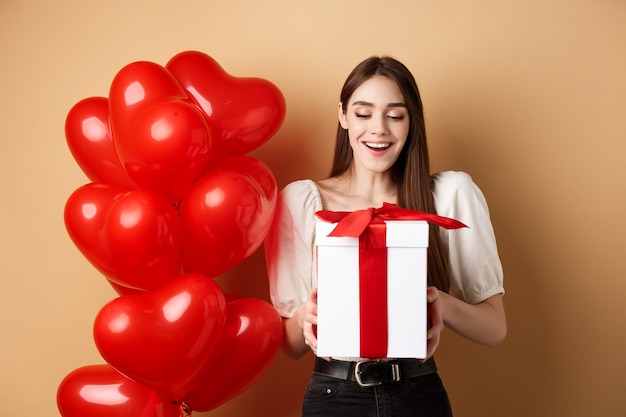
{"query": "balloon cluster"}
pixel 173 202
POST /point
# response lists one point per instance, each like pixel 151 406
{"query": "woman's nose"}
pixel 379 125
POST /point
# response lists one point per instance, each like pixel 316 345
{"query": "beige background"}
pixel 527 96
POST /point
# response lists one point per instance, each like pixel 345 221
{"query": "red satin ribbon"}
pixel 353 223
pixel 369 226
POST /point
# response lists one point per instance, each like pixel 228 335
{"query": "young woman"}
pixel 381 156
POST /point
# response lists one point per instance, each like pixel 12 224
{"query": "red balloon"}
pixel 226 215
pixel 243 113
pixel 256 172
pixel 133 237
pixel 101 391
pixel 249 342
pixel 162 138
pixel 89 138
pixel 136 87
pixel 143 237
pixel 85 214
pixel 162 338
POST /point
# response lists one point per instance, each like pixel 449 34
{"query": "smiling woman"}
pixel 381 157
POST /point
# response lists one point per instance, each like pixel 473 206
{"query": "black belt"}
pixel 372 373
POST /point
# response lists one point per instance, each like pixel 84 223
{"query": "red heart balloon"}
pixel 162 338
pixel 136 87
pixel 85 214
pixel 88 136
pixel 243 112
pixel 143 237
pixel 161 136
pixel 101 391
pixel 226 215
pixel 249 342
pixel 133 237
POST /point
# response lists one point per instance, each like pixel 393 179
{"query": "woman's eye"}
pixel 361 115
pixel 393 117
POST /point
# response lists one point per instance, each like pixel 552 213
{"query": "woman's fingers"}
pixel 435 320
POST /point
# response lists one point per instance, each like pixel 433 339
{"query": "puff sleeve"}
pixel 476 270
pixel 290 246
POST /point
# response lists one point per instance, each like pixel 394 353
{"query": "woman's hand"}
pixel 301 329
pixel 309 321
pixel 435 319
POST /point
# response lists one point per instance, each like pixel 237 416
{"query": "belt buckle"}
pixel 395 373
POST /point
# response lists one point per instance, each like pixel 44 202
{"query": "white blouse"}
pixel 476 270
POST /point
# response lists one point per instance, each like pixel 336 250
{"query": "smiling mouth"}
pixel 377 145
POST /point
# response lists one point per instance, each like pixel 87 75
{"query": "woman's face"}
pixel 377 121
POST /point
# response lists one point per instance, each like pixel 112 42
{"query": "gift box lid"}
pixel 400 234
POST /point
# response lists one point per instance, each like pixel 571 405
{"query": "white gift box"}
pixel 338 328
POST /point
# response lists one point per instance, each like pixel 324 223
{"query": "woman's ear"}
pixel 342 116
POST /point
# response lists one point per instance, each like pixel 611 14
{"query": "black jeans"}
pixel 422 396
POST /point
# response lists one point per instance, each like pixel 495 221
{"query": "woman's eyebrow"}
pixel 369 104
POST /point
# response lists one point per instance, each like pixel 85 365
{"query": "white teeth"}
pixel 377 145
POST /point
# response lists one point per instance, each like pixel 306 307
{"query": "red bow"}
pixel 354 223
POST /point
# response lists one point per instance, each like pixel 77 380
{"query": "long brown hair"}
pixel 411 172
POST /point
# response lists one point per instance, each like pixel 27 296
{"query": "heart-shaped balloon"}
pixel 249 342
pixel 162 137
pixel 85 214
pixel 243 112
pixel 133 237
pixel 143 237
pixel 88 136
pixel 162 338
pixel 226 215
pixel 101 391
